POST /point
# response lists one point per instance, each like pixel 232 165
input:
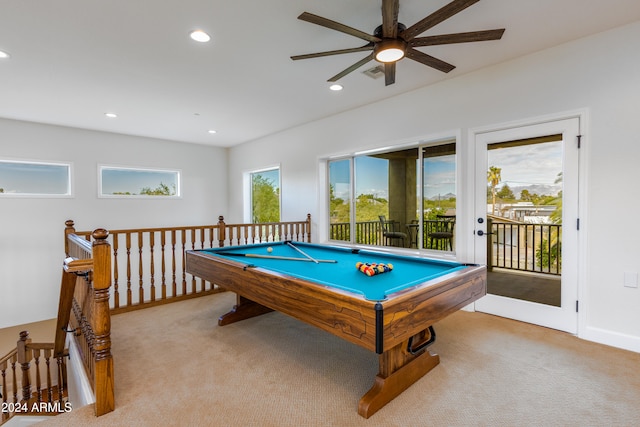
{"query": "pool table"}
pixel 391 313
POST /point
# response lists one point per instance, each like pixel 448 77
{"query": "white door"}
pixel 531 249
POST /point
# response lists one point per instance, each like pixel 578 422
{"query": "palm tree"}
pixel 494 178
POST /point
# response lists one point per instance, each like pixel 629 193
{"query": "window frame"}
pixel 177 172
pixel 70 188
pixel 247 181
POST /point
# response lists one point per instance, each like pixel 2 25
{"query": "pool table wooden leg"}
pixel 244 309
pixel 398 370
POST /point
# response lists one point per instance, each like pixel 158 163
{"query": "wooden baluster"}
pixel 24 359
pixel 36 357
pixel 116 294
pixel 183 257
pixel 3 372
pixel 140 269
pixel 128 242
pixel 103 383
pixel 14 378
pixel 49 382
pixel 221 231
pixel 193 246
pixel 152 242
pixel 163 266
pixel 61 375
pixel 173 262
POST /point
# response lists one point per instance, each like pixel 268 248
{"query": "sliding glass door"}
pixel 404 198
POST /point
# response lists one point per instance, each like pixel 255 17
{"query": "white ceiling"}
pixel 73 60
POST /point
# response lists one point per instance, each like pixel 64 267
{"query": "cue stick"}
pixel 287 258
pixel 300 250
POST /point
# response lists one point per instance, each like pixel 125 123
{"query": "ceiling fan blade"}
pixel 436 17
pixel 390 18
pixel 429 60
pixel 472 36
pixel 324 22
pixel 351 68
pixel 389 73
pixel 333 52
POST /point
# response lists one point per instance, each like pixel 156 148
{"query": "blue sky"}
pixel 527 165
pixel 133 180
pixel 535 164
pixel 372 176
pixel 34 178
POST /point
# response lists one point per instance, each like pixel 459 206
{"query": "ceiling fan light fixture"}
pixel 390 50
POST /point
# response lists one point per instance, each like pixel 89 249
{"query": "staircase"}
pixel 34 380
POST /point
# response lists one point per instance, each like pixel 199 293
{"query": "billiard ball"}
pixel 269 249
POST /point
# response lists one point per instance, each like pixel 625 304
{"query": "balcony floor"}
pixel 535 287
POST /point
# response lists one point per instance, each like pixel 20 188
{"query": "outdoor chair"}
pixel 441 235
pixel 390 235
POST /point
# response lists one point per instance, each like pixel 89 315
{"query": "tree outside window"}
pixel 265 196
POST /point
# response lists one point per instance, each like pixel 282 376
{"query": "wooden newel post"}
pixel 103 378
pixel 222 230
pixel 308 228
pixel 69 229
pixel 24 359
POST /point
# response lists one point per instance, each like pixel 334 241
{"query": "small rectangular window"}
pixel 138 182
pixel 25 178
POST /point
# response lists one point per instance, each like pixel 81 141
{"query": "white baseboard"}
pixel 613 339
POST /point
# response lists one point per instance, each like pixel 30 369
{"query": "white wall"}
pixel 31 229
pixel 598 74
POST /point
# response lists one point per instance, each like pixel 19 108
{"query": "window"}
pixel 404 198
pixel 138 182
pixel 22 178
pixel 265 195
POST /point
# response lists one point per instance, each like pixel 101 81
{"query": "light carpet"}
pixel 175 367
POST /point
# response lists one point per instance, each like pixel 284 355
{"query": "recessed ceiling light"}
pixel 335 87
pixel 211 131
pixel 4 55
pixel 200 36
pixel 111 115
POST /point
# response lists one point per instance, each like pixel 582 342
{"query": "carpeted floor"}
pixel 175 367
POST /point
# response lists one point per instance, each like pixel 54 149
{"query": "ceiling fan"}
pixel 393 41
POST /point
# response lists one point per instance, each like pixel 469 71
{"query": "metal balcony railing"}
pixel 512 246
pixel 525 247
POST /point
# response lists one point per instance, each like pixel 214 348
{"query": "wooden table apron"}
pixel 405 314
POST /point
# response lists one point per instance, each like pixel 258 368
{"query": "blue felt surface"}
pixel 407 271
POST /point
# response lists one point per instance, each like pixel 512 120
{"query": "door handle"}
pixel 482 233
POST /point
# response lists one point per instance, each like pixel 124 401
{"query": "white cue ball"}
pixel 269 249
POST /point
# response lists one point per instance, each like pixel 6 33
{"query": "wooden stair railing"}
pixel 84 310
pixel 148 264
pixel 19 395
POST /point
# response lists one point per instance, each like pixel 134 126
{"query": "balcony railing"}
pixel 513 246
pixel 370 233
pixel 525 247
